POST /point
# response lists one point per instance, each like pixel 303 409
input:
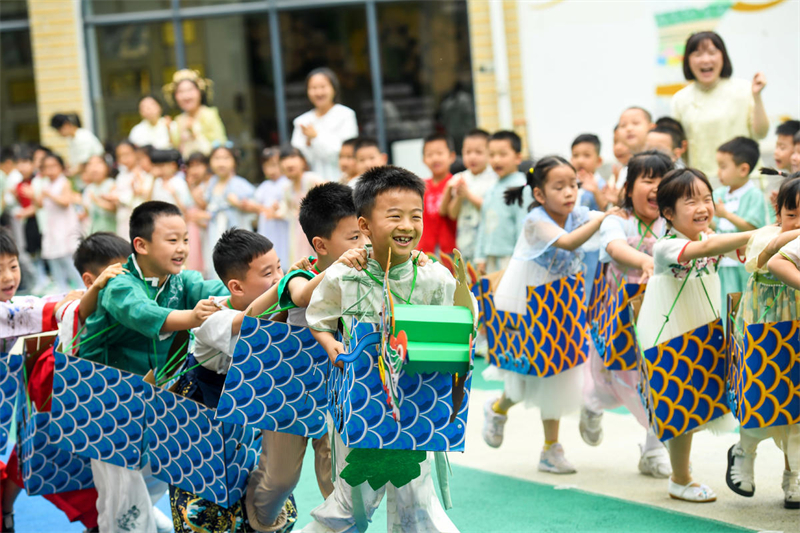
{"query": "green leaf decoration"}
pixel 379 467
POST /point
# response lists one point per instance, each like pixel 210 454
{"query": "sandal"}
pixel 693 492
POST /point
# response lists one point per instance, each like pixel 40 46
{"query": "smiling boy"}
pixel 153 299
pixel 389 203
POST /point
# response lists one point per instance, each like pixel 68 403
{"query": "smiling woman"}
pixel 715 108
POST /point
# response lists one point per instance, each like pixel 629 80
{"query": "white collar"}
pixel 738 193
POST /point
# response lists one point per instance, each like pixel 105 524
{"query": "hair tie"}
pixel 226 144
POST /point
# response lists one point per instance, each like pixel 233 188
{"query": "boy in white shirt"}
pixel 463 196
pixel 82 143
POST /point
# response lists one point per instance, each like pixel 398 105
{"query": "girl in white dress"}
pixel 685 200
pixel 550 247
pixel 627 244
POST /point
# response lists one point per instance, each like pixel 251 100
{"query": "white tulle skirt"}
pixel 555 396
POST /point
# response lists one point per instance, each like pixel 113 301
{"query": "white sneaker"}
pixel 163 522
pixel 553 461
pixel 493 424
pixel 591 426
pixel 791 489
pixel 655 462
pixel 739 475
pixel 693 492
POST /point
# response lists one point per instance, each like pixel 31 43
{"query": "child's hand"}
pixel 355 258
pixel 773 198
pixel 203 310
pixel 481 268
pixel 719 207
pixel 335 349
pixel 461 188
pixel 759 82
pixel 588 181
pixel 303 264
pixel 111 271
pixel 611 194
pixel 421 257
pixel 647 269
pixel 616 211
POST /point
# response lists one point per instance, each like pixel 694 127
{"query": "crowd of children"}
pixel 164 245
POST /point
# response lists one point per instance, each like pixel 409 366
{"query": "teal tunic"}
pixel 131 312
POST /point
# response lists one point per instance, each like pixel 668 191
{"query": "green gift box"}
pixel 439 337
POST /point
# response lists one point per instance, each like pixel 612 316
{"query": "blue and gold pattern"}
pixel 191 450
pixel 765 375
pixel 277 380
pixel 611 319
pixel 550 338
pixel 98 411
pixel 10 386
pixel 357 403
pixel 683 381
pixel 47 469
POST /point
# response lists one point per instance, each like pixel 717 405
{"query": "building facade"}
pixel 407 67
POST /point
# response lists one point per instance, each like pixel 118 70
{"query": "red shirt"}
pixel 438 230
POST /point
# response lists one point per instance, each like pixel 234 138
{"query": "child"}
pixel 667 140
pixel 300 181
pixel 25 225
pixel 26 315
pixel 795 157
pixel 249 266
pixel 99 259
pixel 627 246
pixel 267 203
pixel 464 194
pixel 328 218
pixel 739 206
pixel 196 218
pixel 347 162
pixel 367 154
pixel 586 160
pixel 167 187
pixel 82 143
pixel 622 154
pixel 766 300
pixel 223 200
pixel 634 124
pixel 155 297
pixel 785 144
pixel 438 154
pixel 153 130
pixel 680 142
pixel 122 195
pixel 61 234
pixel 548 249
pixel 685 280
pixel 500 223
pixel 389 203
pixel 101 211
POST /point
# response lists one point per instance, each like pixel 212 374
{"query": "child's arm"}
pixel 447 198
pixel 89 299
pixel 740 223
pixel 577 237
pixel 624 254
pixel 718 245
pixel 775 246
pixel 785 270
pixel 64 199
pixel 329 343
pixel 190 318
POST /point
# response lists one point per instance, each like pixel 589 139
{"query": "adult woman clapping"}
pixel 715 108
pixel 198 128
pixel 320 132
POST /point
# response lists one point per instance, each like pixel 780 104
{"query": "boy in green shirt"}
pixel 389 204
pixel 139 312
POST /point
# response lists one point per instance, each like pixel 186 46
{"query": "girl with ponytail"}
pixel 555 237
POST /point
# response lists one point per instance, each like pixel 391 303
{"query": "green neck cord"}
pixel 413 283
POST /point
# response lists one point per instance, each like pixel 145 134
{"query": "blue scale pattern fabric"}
pixel 357 403
pixel 277 380
pixel 98 411
pixel 191 450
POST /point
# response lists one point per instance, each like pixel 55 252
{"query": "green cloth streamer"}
pixel 443 475
pixel 379 467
